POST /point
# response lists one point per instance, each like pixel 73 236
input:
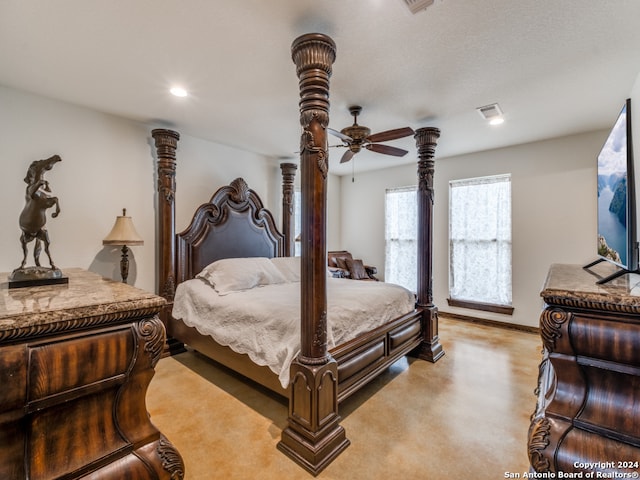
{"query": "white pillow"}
pixel 289 267
pixel 237 274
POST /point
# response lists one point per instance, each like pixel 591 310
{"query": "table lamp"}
pixel 123 233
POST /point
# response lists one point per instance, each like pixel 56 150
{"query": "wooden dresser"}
pixel 75 364
pixel 587 420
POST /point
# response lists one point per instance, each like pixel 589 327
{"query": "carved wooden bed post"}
pixel 288 176
pixel 314 436
pixel 426 140
pixel 166 142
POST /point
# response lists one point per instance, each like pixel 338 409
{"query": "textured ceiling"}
pixel 555 67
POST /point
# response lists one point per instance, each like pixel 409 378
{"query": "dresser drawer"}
pixel 74 363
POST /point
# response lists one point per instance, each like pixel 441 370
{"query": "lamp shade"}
pixel 123 232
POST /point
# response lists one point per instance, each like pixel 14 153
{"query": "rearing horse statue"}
pixel 33 216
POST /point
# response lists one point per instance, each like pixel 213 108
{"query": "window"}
pixel 401 212
pixel 480 243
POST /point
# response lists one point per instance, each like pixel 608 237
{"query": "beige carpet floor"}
pixel 464 417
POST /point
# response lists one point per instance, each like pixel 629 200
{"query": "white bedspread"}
pixel 264 322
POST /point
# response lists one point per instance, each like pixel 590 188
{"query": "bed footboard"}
pixel 359 361
pixel 362 359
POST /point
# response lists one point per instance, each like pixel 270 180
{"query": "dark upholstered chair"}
pixel 343 265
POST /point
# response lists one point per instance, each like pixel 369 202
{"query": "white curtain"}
pixel 480 239
pixel 401 215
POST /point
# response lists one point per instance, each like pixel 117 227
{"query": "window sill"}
pixel 485 307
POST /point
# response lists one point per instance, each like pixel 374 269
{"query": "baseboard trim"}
pixel 489 323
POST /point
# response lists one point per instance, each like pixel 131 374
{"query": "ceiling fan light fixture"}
pixel 356 137
pixel 356 132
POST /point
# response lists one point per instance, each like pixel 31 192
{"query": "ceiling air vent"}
pixel 489 112
pixel 416 6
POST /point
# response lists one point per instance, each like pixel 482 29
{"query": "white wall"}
pixel 334 212
pixel 108 163
pixel 334 206
pixel 554 213
pixel 202 167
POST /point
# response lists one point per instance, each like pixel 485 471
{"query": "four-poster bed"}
pixel 235 224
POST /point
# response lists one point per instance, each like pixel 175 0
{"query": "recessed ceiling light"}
pixel 496 121
pixel 178 92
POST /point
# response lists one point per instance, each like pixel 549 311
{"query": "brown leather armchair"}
pixel 343 265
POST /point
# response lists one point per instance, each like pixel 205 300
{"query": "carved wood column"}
pixel 314 437
pixel 166 142
pixel 426 141
pixel 288 218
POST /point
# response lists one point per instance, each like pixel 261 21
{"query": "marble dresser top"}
pixel 88 299
pixel 573 285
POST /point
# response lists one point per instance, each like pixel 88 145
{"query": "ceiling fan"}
pixel 356 137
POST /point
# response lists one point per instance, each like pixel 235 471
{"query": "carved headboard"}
pixel 234 223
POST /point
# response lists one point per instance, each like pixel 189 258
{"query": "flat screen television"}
pixel 617 242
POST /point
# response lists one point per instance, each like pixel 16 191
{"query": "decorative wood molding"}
pixel 540 392
pixel 313 55
pixel 320 338
pixel 426 141
pixel 196 246
pixel 171 459
pixel 239 191
pixel 74 324
pixel 539 433
pixel 430 349
pixel 591 304
pixel 166 142
pixel 551 322
pixel 314 436
pixel 152 333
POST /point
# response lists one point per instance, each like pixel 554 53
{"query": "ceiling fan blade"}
pixel 348 155
pixel 386 149
pixel 340 135
pixel 391 134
